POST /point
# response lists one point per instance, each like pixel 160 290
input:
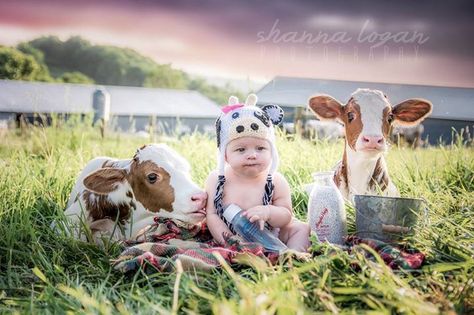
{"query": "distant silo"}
pixel 101 105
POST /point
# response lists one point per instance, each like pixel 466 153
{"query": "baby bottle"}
pixel 251 231
pixel 326 211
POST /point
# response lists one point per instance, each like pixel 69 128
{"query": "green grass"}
pixel 43 272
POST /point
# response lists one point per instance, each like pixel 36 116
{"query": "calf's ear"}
pixel 326 107
pixel 104 180
pixel 412 111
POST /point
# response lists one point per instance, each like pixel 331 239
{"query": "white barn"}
pixel 131 108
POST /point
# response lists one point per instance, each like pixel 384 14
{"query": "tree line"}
pixel 76 60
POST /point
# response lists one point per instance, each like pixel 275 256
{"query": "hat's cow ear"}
pixel 233 100
pixel 251 100
pixel 274 112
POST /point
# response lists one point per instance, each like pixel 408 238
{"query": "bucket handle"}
pixel 425 211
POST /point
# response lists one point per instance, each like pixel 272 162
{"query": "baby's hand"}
pixel 258 213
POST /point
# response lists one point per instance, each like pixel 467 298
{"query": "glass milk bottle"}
pixel 326 211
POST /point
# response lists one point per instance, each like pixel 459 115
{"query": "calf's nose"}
pixel 199 199
pixel 373 141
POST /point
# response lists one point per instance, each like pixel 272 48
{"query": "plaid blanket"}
pixel 162 243
pixel 395 258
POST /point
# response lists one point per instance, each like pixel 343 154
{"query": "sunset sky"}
pixel 419 42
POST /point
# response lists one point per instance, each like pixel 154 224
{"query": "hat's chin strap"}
pixel 218 201
pixel 268 195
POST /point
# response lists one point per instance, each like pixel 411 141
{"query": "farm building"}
pixel 132 109
pixel 453 108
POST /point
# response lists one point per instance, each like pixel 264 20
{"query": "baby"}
pixel 246 174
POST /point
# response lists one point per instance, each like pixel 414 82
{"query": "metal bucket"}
pixel 387 218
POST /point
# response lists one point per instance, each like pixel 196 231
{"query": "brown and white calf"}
pixel 156 182
pixel 367 118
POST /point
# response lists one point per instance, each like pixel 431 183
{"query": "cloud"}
pixel 221 36
pixel 336 22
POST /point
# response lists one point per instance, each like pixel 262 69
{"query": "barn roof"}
pixel 448 102
pixel 30 97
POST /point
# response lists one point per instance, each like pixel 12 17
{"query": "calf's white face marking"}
pixel 372 106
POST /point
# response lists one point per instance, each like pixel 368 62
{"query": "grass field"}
pixel 43 272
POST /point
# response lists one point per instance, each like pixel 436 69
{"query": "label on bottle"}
pixel 321 217
pixel 322 228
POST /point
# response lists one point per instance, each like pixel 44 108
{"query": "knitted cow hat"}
pixel 245 120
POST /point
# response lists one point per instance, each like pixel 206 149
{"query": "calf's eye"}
pixel 152 178
pixel 390 118
pixel 350 116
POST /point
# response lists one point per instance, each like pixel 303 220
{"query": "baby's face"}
pixel 249 156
